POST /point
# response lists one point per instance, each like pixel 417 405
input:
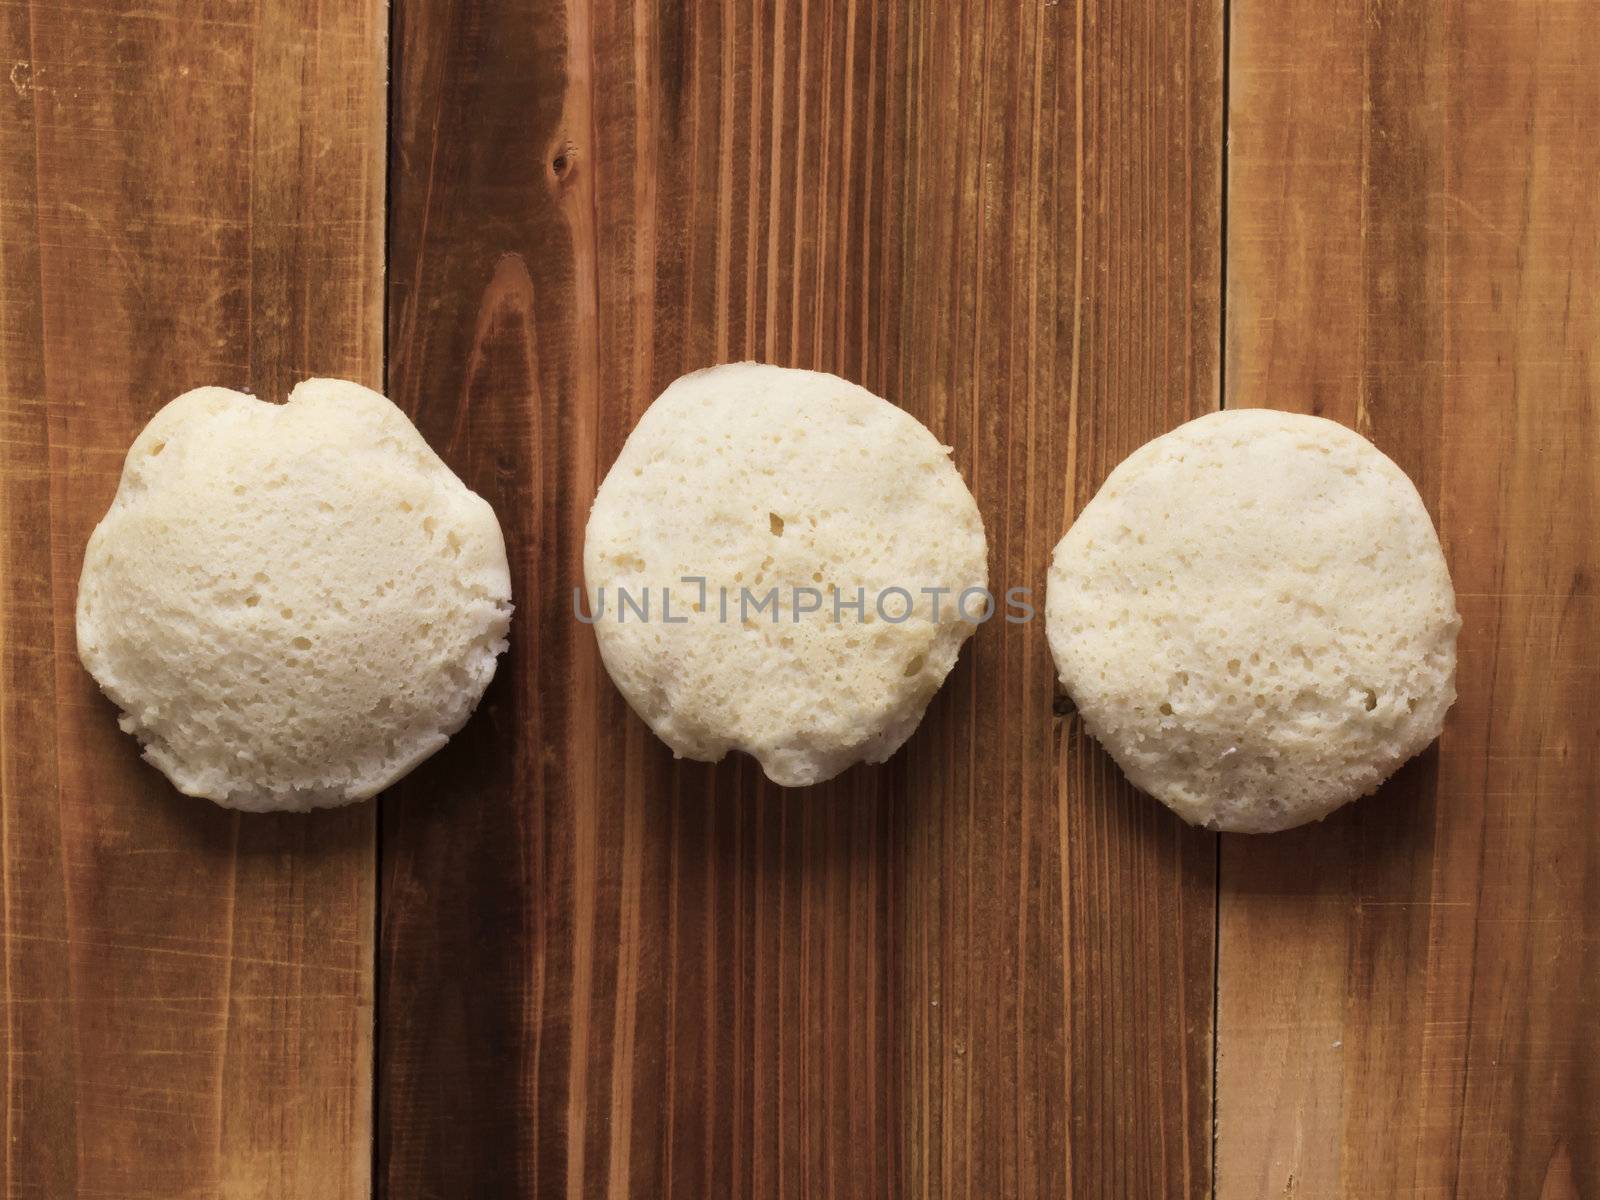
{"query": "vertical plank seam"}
pixel 1222 403
pixel 227 990
pixel 391 72
pixel 1222 210
pixel 1069 496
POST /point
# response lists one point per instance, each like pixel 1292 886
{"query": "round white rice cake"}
pixel 293 604
pixel 755 478
pixel 1255 618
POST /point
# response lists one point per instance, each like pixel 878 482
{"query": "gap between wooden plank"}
pixel 1222 401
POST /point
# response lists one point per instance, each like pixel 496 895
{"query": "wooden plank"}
pixel 189 194
pixel 1410 994
pixel 985 968
pixel 1060 287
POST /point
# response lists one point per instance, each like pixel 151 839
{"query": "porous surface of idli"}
pixel 293 604
pixel 1254 617
pixel 755 477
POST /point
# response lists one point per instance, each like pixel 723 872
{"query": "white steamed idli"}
pixel 754 478
pixel 292 604
pixel 1254 617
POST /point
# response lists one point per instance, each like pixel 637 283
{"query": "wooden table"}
pixel 556 963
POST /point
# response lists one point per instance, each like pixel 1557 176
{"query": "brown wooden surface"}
pixel 988 968
pixel 1410 994
pixel 189 194
pixel 983 969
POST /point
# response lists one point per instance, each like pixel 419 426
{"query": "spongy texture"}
pixel 293 604
pixel 1254 617
pixel 754 478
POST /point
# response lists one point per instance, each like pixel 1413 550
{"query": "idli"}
pixel 293 604
pixel 1254 617
pixel 776 563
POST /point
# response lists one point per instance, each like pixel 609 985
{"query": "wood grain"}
pixel 189 194
pixel 1410 994
pixel 1060 291
pixel 984 969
